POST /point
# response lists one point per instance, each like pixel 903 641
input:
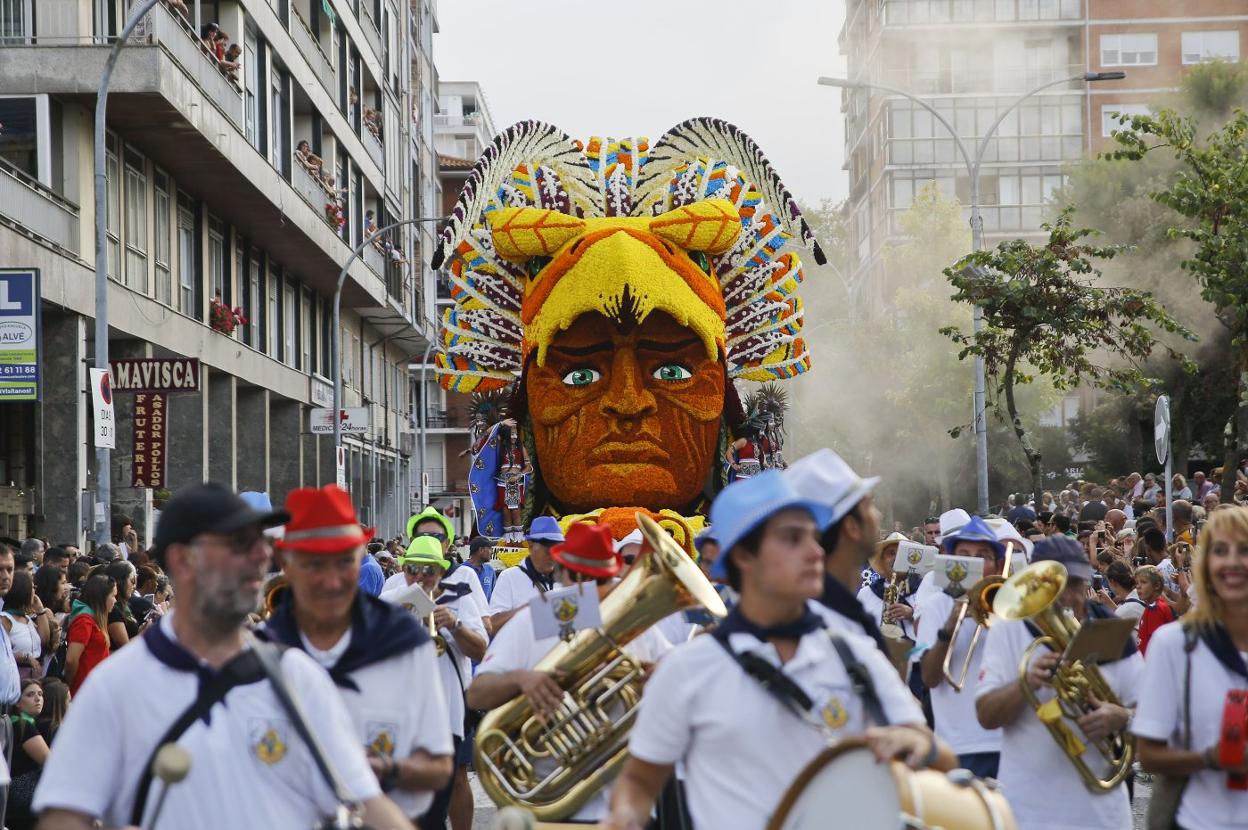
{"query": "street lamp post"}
pixel 103 455
pixel 977 233
pixel 337 333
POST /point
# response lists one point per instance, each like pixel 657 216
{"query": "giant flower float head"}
pixel 626 285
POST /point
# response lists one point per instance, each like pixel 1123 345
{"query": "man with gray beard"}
pixel 197 679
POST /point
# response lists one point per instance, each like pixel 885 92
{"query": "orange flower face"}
pixel 625 415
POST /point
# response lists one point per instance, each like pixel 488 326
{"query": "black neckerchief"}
pixel 736 623
pixel 541 582
pixel 452 592
pixel 911 585
pixel 173 654
pixel 1218 640
pixel 379 631
pixel 837 597
pixel 1095 611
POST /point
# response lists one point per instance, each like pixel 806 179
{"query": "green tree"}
pixel 1209 192
pixel 1044 317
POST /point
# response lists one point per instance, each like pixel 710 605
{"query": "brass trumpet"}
pixel 439 642
pixel 1032 595
pixel 978 603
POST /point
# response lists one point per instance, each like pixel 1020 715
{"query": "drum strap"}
pixel 784 689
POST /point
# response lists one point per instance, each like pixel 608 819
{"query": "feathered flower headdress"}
pixel 547 229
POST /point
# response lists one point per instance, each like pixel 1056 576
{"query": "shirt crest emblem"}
pixel 834 713
pixel 381 740
pixel 268 741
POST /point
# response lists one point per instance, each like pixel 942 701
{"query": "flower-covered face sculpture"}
pixel 626 413
pixel 625 286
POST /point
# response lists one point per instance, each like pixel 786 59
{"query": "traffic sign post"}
pixel 341 456
pixel 1161 442
pixel 102 398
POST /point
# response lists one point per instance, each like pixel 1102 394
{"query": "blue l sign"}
pixel 17 295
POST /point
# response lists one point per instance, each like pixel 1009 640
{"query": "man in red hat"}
pixel 588 553
pixel 381 659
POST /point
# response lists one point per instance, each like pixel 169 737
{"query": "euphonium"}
pixel 552 767
pixel 892 591
pixel 977 603
pixel 1032 594
pixel 273 590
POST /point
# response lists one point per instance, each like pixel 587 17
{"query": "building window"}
pixel 290 323
pixel 307 329
pixel 254 308
pixel 279 120
pixel 162 245
pixel 19 138
pixel 216 258
pixel 1130 49
pixel 112 219
pixel 136 222
pixel 1044 128
pixel 16 21
pixel 187 264
pixel 251 66
pixel 273 321
pixel 1199 47
pixel 1110 113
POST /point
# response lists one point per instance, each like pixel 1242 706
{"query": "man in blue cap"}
pixel 953 710
pixel 743 744
pixel 514 587
pixel 1045 791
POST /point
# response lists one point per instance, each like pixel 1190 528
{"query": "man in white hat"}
pixel 848 540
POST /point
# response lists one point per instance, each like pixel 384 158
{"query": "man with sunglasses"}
pixel 249 766
pixel 369 647
pixel 432 524
pixel 459 624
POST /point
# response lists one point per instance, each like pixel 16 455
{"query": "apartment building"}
pixel 463 127
pixel 972 60
pixel 212 205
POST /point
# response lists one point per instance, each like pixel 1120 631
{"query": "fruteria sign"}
pixel 20 334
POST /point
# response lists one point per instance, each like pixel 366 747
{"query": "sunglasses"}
pixel 420 570
pixel 441 537
pixel 629 558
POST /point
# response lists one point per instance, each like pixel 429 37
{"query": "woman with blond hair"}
pixel 1195 671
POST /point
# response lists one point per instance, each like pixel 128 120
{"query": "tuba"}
pixel 552 767
pixel 979 605
pixel 1032 594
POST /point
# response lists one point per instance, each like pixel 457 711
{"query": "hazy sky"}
pixel 632 69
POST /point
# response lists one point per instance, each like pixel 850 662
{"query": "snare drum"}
pixel 845 787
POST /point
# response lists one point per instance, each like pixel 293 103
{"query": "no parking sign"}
pixel 102 400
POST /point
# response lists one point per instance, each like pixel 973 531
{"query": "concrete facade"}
pixel 207 199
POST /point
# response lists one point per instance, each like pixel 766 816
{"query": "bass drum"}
pixel 845 787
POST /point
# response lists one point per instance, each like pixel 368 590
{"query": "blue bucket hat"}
pixel 976 530
pixel 544 529
pixel 744 505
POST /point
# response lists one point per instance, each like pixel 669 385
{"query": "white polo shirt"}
pixel 512 589
pixel 1038 779
pixel 742 748
pixel 954 712
pixel 837 621
pixel 466 575
pixel 391 715
pixel 514 648
pixel 1207 802
pixel 249 768
pixel 465 608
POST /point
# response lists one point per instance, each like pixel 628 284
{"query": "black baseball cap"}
pixel 208 508
pixel 479 542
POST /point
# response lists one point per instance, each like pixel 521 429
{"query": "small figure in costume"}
pixel 514 470
pixel 744 456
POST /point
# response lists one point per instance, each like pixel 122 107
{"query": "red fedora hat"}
pixel 322 521
pixel 589 550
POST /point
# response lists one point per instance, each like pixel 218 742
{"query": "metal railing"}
pixel 472 120
pixel 375 260
pixel 309 188
pixel 35 207
pixel 310 46
pixel 375 151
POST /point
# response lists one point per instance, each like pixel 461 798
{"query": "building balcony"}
pixel 375 260
pixel 310 47
pixel 171 31
pixel 37 209
pixel 371 29
pixel 376 151
pixel 929 12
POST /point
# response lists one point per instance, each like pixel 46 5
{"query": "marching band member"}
pixel 516 586
pixel 506 671
pixel 249 766
pixel 370 648
pixel 459 625
pixel 706 706
pixel 431 523
pixel 1194 674
pixel 849 538
pixel 899 613
pixel 1039 780
pixel 948 523
pixel 954 711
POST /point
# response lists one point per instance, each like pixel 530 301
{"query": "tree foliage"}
pixel 1210 192
pixel 1045 316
